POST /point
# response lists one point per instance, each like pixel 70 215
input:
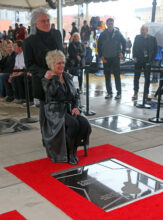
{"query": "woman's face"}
pixel 58 67
pixel 76 38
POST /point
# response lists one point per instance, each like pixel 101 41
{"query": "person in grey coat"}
pixel 63 128
pixel 111 48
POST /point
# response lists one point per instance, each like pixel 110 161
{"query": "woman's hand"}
pixel 75 111
pixel 49 74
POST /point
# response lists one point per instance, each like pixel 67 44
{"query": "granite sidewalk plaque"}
pixel 120 124
pixel 110 183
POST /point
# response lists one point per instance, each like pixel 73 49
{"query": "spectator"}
pixel 17 78
pixel 88 56
pixel 111 48
pixel 76 60
pixel 128 47
pixel 85 32
pixel 21 34
pixel 4 35
pixel 52 26
pixel 6 70
pixel 16 30
pixel 10 34
pixel 157 63
pixel 74 29
pixel 144 52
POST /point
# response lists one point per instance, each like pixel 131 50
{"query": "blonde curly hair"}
pixel 53 57
pixel 75 34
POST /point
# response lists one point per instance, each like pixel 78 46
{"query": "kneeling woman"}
pixel 63 128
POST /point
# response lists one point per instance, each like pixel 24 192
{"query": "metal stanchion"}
pixel 28 119
pixel 157 119
pixel 88 112
pixel 144 105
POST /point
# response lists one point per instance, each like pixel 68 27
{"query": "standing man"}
pixel 111 48
pixel 85 32
pixel 74 28
pixel 144 52
pixel 41 40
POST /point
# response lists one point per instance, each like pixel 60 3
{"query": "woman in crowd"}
pixel 76 60
pixel 64 128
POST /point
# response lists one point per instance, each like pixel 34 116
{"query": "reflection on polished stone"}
pixel 11 126
pixel 95 93
pixel 120 123
pixel 109 183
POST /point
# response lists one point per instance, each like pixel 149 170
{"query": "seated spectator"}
pixel 7 65
pixel 64 128
pixel 17 78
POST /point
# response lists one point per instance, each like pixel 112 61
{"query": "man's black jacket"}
pixel 138 48
pixel 111 47
pixel 7 63
pixel 35 49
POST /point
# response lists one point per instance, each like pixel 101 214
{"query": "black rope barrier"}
pixel 122 69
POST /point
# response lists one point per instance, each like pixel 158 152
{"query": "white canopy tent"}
pixel 32 4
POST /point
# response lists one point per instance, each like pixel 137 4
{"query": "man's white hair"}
pixel 34 16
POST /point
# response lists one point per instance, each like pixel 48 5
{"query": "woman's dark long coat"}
pixel 53 127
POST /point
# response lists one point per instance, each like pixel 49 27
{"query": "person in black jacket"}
pixel 144 52
pixel 41 40
pixel 85 32
pixel 64 128
pixel 76 60
pixel 111 48
pixel 7 65
pixel 74 29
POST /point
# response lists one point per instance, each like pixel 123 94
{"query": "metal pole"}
pixel 154 10
pixel 59 17
pixel 87 15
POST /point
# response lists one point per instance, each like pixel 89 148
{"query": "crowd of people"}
pixel 50 64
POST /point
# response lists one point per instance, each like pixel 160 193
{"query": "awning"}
pixel 32 4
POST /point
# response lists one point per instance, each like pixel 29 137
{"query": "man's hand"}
pixel 79 58
pixel 103 60
pixel 121 56
pixel 135 60
pixel 75 111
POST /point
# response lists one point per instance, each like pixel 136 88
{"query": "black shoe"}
pixel 135 97
pixel 72 160
pixel 108 96
pixel 9 99
pixel 118 96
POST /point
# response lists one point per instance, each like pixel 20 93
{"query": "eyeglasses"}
pixel 44 21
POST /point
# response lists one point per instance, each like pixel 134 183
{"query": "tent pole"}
pixel 87 15
pixel 154 10
pixel 59 17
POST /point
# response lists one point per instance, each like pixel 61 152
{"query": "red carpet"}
pixel 13 215
pixel 37 175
